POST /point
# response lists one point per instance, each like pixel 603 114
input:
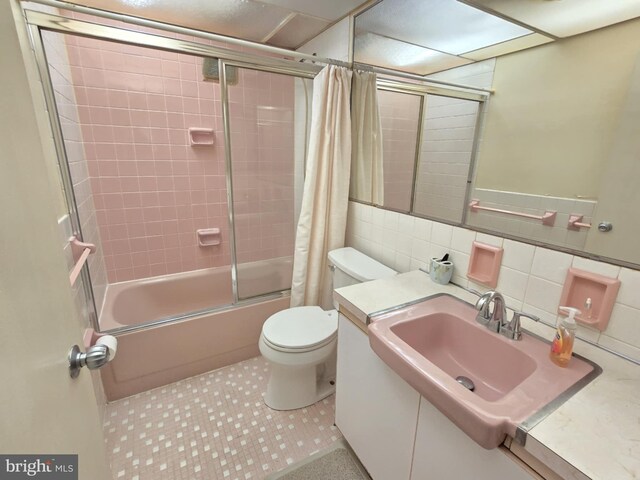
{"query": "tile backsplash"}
pixel 531 278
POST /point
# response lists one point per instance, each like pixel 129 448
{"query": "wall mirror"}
pixel 552 156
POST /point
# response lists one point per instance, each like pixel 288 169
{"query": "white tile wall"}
pixel 445 156
pixel 531 278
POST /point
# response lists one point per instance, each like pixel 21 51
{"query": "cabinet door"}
pixel 443 452
pixel 376 410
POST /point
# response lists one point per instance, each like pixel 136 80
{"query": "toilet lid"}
pixel 300 327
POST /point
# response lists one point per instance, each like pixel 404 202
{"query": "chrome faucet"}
pixel 493 320
pixel 496 320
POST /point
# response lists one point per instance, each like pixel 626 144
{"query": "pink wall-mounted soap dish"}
pixel 208 237
pixel 201 136
pixel 484 264
pixel 580 286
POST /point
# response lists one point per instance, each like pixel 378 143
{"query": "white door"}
pixel 42 410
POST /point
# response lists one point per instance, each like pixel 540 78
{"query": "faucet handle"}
pixel 519 313
pixel 513 329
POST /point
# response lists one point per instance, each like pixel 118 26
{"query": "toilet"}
pixel 300 343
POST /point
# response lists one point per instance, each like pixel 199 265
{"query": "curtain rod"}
pixel 186 31
pixel 420 78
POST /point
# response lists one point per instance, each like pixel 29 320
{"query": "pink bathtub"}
pixel 170 351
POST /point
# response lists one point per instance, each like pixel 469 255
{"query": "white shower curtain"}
pixel 367 180
pixel 323 217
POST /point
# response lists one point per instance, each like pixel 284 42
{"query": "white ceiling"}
pixel 398 55
pixel 283 23
pixel 412 35
pixel 331 10
pixel 563 18
pixel 473 30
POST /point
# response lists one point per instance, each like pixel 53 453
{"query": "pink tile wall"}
pixel 262 147
pixel 152 190
pixel 69 120
pixel 399 116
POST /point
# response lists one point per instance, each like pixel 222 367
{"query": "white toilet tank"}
pixel 352 266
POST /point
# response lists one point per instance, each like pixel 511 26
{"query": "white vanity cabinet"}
pixel 397 434
pixel 443 451
pixel 376 410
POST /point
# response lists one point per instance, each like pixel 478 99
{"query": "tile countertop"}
pixel 593 435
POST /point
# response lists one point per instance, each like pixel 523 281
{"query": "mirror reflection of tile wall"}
pixel 445 157
pixel 399 116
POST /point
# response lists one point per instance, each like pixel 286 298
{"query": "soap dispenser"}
pixel 562 345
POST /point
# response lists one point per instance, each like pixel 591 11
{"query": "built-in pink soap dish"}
pixel 208 237
pixel 580 286
pixel 201 136
pixel 484 264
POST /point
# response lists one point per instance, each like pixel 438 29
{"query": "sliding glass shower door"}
pixel 183 162
pixel 142 137
pixel 268 122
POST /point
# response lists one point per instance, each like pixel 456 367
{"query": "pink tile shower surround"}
pixel 152 190
pixel 62 83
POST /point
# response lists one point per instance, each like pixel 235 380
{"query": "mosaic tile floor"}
pixel 213 426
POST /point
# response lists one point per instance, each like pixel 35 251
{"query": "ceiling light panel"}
pixel 564 18
pixel 297 31
pixel 445 25
pixel 390 53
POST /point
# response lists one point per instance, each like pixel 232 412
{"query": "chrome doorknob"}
pixel 95 357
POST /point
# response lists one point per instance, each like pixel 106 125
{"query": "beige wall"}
pixel 43 409
pixel 619 192
pixel 551 122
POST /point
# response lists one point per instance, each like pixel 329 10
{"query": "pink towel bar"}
pixel 81 252
pixel 548 218
pixel 575 222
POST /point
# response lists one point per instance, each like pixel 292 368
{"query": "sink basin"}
pixel 431 343
pixel 495 366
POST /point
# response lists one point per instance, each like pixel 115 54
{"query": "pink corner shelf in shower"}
pixel 484 264
pixel 579 286
pixel 201 136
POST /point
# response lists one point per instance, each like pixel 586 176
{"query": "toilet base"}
pixel 299 388
pixel 293 385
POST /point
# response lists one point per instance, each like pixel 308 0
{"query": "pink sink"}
pixel 431 343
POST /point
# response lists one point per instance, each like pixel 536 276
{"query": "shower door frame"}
pixel 226 118
pixel 38 21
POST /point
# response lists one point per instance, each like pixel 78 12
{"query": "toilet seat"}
pixel 300 329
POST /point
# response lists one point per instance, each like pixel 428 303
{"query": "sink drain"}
pixel 466 382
